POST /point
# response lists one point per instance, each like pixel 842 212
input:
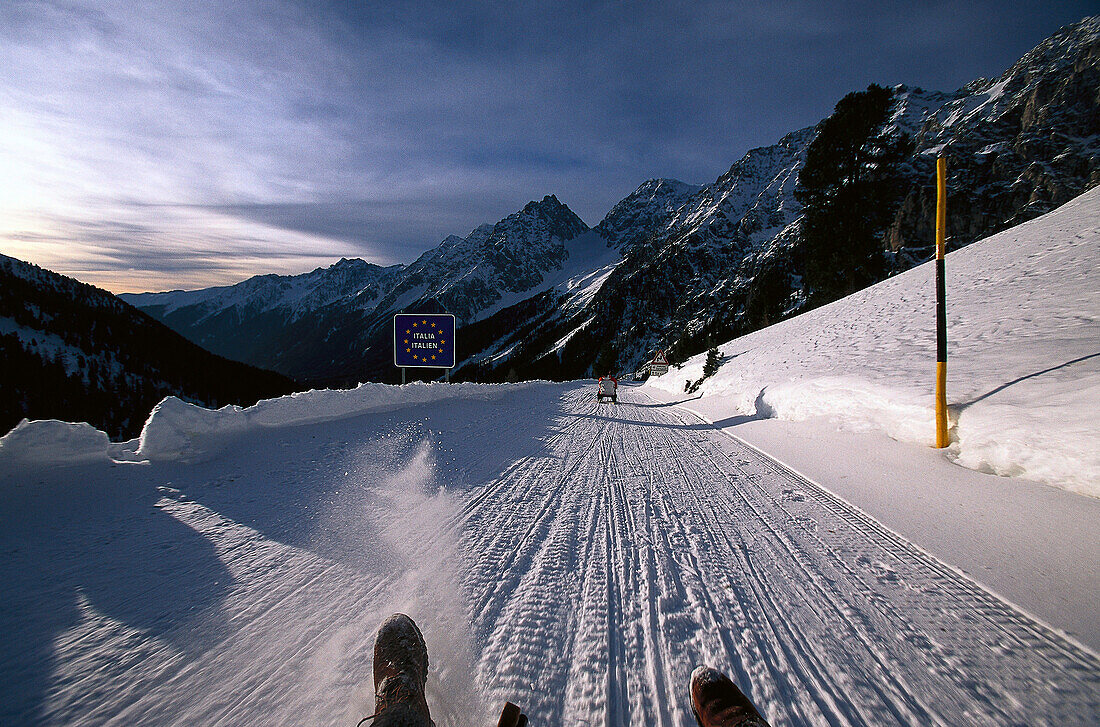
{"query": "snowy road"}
pixel 639 543
pixel 574 557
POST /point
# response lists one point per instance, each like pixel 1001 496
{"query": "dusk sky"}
pixel 160 145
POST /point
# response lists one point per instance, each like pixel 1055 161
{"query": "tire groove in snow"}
pixel 662 544
pixel 596 552
pixel 969 602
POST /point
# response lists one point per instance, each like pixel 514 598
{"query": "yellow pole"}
pixel 941 306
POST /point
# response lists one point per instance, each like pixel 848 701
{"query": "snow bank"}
pixel 852 404
pixel 1023 361
pixel 177 430
pixel 1053 440
pixel 49 441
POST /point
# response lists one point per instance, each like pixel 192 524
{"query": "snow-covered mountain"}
pixel 355 281
pixel 250 321
pixel 644 211
pixel 317 325
pixel 682 266
pixel 467 275
pixel 725 260
pixel 72 351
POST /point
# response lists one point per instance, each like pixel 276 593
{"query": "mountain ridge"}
pixel 702 263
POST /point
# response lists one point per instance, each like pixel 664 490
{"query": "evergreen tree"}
pixel 850 187
pixel 714 360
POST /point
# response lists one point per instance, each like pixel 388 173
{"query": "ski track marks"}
pixel 577 558
pixel 641 542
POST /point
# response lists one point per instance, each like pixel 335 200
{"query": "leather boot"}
pixel 400 673
pixel 717 702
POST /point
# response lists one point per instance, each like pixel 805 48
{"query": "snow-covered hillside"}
pixel 1023 363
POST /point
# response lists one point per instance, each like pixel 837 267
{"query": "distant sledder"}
pixel 608 389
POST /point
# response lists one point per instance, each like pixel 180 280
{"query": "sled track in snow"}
pixel 585 557
pixel 640 542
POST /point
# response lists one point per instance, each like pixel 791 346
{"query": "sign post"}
pixel 942 439
pixel 659 365
pixel 424 340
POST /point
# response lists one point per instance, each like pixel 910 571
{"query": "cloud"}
pixel 315 129
pixel 147 248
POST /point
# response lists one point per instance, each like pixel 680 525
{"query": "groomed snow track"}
pixel 575 557
pixel 642 542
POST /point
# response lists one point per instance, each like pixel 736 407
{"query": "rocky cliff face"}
pixel 1017 146
pixel 467 275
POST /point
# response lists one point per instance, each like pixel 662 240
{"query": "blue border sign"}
pixel 424 339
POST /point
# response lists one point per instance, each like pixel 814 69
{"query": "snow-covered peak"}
pixel 481 232
pixel 1065 47
pixel 512 256
pixel 293 295
pixel 550 215
pixel 646 209
pixel 665 185
pixel 1061 71
pixel 451 240
pixel 752 201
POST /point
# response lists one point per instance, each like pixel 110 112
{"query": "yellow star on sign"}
pixel 442 343
pixel 408 331
pixel 406 340
pixel 416 358
pixel 424 322
pixel 414 325
pixel 433 325
pixel 408 350
pixel 433 358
